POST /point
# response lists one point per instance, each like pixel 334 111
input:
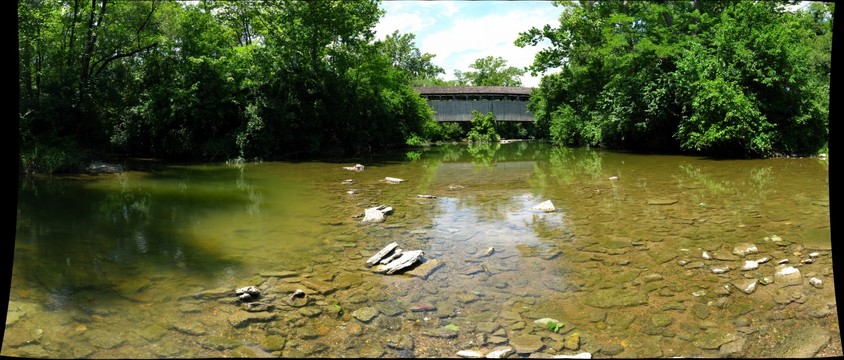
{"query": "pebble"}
pixel 706 255
pixel 783 261
pixel 814 254
pixel 469 354
pixel 583 355
pixel 720 270
pixel 749 265
pixel 816 282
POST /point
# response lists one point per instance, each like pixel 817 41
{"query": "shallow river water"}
pixel 643 256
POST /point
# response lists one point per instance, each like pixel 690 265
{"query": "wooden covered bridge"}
pixel 455 103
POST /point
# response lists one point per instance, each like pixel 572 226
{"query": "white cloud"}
pixel 459 32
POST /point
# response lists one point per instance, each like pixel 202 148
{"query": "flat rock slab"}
pixel 365 314
pixel 525 344
pixel 242 318
pixel 612 298
pixel 662 201
pixel 787 275
pixel 713 340
pixel 804 342
pixel 425 269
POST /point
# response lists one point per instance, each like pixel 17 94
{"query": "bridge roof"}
pixel 474 90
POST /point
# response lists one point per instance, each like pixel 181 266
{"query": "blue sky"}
pixel 459 32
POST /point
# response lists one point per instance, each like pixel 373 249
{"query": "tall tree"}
pixel 491 71
pixel 723 77
pixel 402 50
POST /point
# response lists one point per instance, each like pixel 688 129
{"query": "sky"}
pixel 459 32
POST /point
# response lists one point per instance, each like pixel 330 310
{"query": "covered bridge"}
pixel 455 103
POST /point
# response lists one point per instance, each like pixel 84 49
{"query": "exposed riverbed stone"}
pixel 746 286
pixel 787 275
pixel 734 348
pixel 803 342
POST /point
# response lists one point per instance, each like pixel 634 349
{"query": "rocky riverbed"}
pixel 498 279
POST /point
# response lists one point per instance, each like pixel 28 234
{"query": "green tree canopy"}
pixel 490 71
pixel 746 78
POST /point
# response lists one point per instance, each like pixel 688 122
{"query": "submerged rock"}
pixel 743 249
pixel 365 314
pixel 610 298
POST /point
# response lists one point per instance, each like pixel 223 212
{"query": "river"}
pixel 644 256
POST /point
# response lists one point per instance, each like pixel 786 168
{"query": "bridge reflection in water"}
pixel 455 103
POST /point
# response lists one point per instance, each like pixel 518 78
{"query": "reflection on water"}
pixel 144 263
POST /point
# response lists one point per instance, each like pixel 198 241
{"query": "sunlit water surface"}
pixel 144 263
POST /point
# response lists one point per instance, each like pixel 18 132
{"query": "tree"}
pixel 490 71
pixel 404 55
pixel 723 77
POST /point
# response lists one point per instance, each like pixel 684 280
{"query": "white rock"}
pixel 783 261
pixel 814 254
pixel 500 354
pixel 393 180
pixel 376 214
pixel 613 178
pixel 747 287
pixel 469 354
pixel 720 270
pixel 583 355
pixel 763 260
pixel 775 238
pixel 816 282
pixel 788 275
pixel 788 270
pixel 706 255
pixel 750 265
pixel 544 206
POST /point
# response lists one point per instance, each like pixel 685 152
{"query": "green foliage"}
pixel 738 78
pixel 555 326
pixel 483 128
pixel 216 80
pixel 405 56
pixel 490 71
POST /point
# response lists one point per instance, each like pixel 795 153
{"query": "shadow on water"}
pixel 83 234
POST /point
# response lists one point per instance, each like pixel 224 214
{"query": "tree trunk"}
pixel 85 67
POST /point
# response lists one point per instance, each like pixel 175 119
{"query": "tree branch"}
pixel 107 60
